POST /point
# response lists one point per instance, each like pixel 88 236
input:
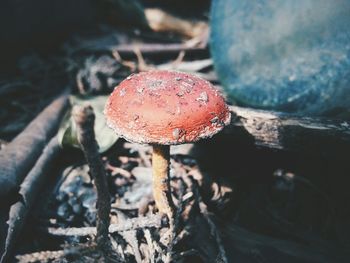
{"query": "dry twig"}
pixel 130 224
pixel 156 49
pixel 42 256
pixel 84 118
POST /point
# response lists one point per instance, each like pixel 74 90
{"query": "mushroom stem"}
pixel 161 181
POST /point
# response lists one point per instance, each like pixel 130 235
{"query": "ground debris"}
pixel 141 235
pixel 42 256
pixel 199 234
pixel 153 221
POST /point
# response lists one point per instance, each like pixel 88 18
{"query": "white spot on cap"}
pixel 122 92
pixel 178 110
pixel 140 89
pixel 203 97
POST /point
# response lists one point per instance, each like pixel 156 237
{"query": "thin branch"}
pixel 84 118
pixel 130 224
pixel 156 48
pixel 131 238
pixel 42 256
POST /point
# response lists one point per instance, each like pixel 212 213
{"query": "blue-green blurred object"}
pixel 287 55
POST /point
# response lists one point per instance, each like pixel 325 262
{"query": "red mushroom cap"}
pixel 166 107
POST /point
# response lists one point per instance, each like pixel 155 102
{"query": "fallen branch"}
pixel 130 224
pixel 19 156
pixel 29 190
pixel 284 131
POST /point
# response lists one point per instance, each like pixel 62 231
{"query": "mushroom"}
pixel 164 108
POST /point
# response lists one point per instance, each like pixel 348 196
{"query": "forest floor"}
pixel 235 201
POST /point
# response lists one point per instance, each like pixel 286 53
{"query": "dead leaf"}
pixel 105 137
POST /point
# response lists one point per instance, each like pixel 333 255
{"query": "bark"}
pixel 287 132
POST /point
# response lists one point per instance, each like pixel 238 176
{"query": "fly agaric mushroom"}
pixel 164 108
